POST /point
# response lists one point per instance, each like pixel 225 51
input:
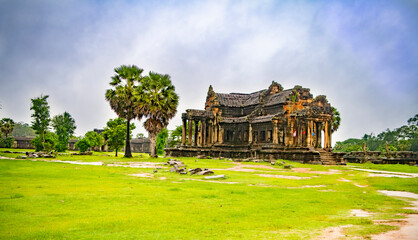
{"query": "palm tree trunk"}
pixel 128 142
pixel 152 146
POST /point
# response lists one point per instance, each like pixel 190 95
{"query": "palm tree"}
pixel 336 120
pixel 121 97
pixel 7 126
pixel 158 101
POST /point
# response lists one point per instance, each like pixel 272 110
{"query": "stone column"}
pixel 216 133
pixel 210 132
pixel 299 134
pixel 190 129
pixel 203 125
pixel 196 130
pixel 326 135
pixel 329 135
pixel 286 135
pixel 309 134
pixel 221 135
pixel 183 133
pixel 250 133
pixel 275 132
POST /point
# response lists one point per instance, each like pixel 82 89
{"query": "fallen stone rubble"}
pixel 179 167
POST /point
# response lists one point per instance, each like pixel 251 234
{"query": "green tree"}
pixel 6 126
pixel 121 97
pixel 114 133
pixel 175 136
pixel 7 142
pixel 95 139
pixel 45 143
pixel 336 120
pixel 22 129
pixel 83 144
pixel 41 118
pixel 162 141
pixel 156 100
pixel 64 126
pixel 349 145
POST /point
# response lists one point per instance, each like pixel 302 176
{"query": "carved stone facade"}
pixel 271 123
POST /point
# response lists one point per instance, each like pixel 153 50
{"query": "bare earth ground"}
pixel 408 230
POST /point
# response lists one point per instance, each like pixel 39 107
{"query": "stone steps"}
pixel 327 158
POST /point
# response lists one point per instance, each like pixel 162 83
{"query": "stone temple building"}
pixel 269 124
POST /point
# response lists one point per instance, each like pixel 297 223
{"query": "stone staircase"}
pixel 327 158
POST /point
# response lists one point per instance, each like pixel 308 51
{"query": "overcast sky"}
pixel 363 55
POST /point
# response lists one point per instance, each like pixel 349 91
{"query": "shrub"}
pixel 61 147
pixel 83 145
pixel 50 140
pixel 7 142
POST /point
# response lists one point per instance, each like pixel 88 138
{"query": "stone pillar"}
pixel 250 133
pixel 286 135
pixel 221 135
pixel 299 134
pixel 319 135
pixel 203 125
pixel 210 132
pixel 329 135
pixel 183 133
pixel 275 132
pixel 190 129
pixel 326 135
pixel 308 134
pixel 196 130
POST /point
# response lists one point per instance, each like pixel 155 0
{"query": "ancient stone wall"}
pixel 377 157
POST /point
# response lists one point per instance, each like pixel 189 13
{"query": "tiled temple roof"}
pixel 234 119
pixel 278 97
pixel 242 100
pixel 238 99
pixel 260 119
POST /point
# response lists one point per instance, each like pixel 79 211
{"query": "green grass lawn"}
pixel 52 200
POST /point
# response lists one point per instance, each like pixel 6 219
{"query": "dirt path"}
pixel 381 173
pixel 407 231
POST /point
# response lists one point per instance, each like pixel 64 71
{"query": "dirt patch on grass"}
pixel 359 213
pixel 261 185
pixel 240 167
pixel 408 228
pixel 282 176
pixel 308 186
pixel 333 233
pixel 145 175
pixel 212 181
pixel 355 184
pixel 137 164
pixel 388 175
pixel 381 173
pixel 308 170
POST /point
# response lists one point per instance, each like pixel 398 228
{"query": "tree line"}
pixel 132 96
pixel 404 138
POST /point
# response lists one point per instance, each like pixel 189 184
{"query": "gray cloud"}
pixel 361 55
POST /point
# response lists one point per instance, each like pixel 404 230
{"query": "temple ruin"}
pixel 269 124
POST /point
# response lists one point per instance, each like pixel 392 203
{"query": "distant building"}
pixel 141 145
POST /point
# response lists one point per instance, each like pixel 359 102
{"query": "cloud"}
pixel 360 54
